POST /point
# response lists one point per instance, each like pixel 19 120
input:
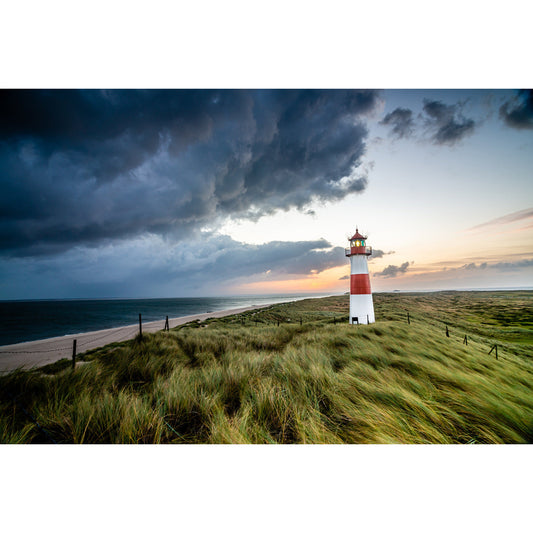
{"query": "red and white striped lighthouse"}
pixel 361 305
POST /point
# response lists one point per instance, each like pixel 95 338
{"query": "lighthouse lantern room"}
pixel 361 304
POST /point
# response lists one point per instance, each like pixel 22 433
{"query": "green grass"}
pixel 244 379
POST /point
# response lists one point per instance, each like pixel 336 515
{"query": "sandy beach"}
pixel 26 355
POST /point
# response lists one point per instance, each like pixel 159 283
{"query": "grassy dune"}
pixel 244 379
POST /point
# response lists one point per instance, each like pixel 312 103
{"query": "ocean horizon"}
pixel 30 320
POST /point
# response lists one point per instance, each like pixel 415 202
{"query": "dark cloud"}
pixel 91 167
pixel 518 113
pixel 392 270
pixel 401 121
pixel 446 122
pixel 344 278
pixel 142 267
pixel 228 259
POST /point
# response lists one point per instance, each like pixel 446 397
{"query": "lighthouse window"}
pixel 358 243
pixel 362 243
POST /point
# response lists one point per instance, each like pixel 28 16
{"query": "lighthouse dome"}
pixel 357 236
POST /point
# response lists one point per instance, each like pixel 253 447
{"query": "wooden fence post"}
pixel 74 354
pixel 166 325
pixel 408 319
pixel 300 321
pixel 140 327
pixel 465 340
pixel 447 332
pixel 495 347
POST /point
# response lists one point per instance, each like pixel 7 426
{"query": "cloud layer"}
pixel 91 167
pixel 502 266
pixel 151 267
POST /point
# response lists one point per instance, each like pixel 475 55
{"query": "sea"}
pixel 30 320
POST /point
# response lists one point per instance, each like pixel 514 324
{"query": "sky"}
pixel 170 193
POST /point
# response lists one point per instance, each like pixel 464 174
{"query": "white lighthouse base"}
pixel 361 309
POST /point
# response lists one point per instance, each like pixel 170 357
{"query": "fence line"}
pixel 465 339
pixel 81 344
pixel 130 329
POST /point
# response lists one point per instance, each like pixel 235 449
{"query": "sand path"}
pixel 31 354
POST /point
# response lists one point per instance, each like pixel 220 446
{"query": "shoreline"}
pixel 34 354
pixel 36 320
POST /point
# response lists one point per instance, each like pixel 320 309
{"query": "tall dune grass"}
pixel 244 379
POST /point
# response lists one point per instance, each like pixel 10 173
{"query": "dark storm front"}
pixel 22 321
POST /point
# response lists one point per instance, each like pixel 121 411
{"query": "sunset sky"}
pixel 214 192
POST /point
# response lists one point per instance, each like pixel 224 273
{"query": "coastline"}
pixel 35 320
pixel 34 354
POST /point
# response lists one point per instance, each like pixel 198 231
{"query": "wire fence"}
pixel 493 346
pixel 88 339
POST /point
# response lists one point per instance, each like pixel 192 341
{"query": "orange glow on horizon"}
pixel 464 270
pixel 325 281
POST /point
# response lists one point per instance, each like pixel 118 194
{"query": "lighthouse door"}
pixel 355 320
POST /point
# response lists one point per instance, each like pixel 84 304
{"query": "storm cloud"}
pixel 150 266
pixel 446 123
pixel 401 122
pixel 518 113
pixel 93 167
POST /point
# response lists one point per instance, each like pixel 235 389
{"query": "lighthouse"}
pixel 361 305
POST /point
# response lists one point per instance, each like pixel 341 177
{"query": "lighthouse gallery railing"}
pixel 363 250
